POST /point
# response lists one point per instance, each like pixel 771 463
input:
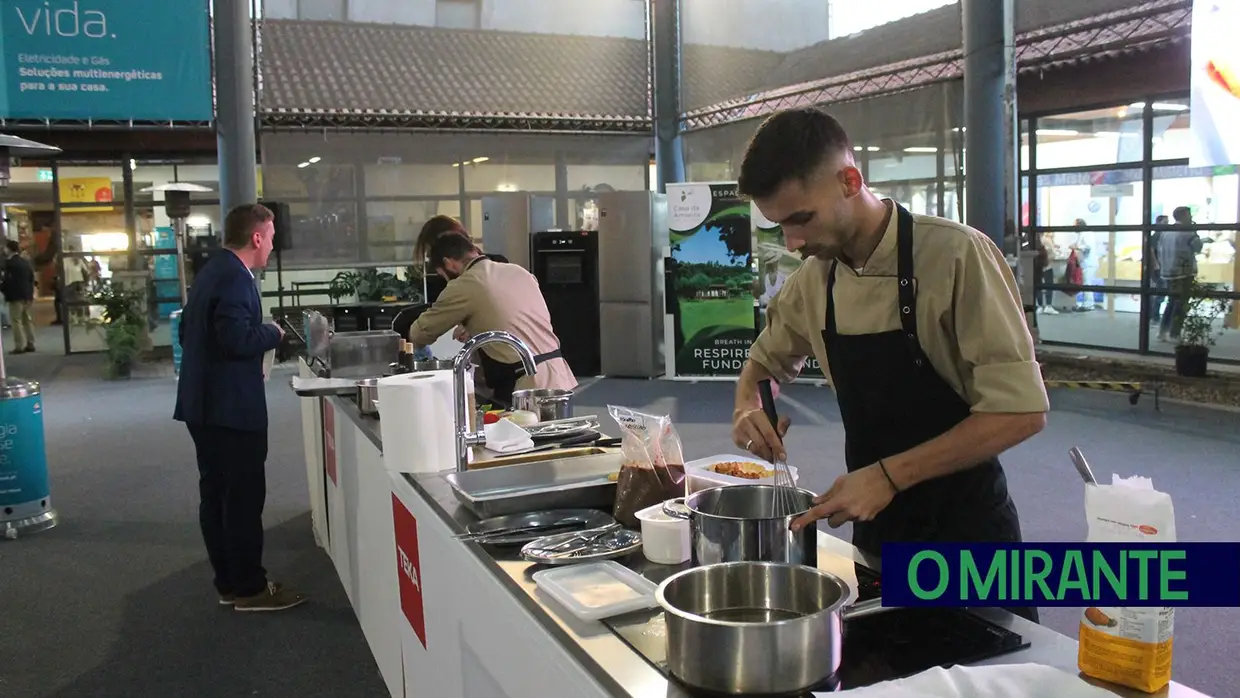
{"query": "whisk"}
pixel 785 499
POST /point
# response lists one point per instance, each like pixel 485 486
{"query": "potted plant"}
pixel 373 286
pixel 122 322
pixel 1199 331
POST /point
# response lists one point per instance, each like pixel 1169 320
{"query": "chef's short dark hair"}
pixel 450 247
pixel 790 146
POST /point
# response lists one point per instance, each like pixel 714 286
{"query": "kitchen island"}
pixel 447 618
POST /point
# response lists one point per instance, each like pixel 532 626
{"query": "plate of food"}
pixel 730 469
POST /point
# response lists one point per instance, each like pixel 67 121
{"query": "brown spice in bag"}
pixel 653 469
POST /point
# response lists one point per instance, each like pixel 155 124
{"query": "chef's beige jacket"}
pixel 970 319
pixel 496 296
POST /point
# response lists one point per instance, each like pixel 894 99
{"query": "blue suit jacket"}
pixel 223 339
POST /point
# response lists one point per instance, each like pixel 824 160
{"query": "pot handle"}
pixel 862 609
pixel 676 509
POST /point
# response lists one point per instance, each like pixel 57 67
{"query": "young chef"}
pixel 918 324
pixel 483 295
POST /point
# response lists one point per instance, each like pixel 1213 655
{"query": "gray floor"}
pixel 117 600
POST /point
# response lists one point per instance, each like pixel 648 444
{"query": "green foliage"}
pixel 123 317
pixel 694 278
pixel 372 285
pixel 1201 312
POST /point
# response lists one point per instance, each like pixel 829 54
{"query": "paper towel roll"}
pixel 416 422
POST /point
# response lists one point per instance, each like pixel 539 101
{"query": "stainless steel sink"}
pixel 556 482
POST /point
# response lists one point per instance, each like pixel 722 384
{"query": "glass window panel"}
pixel 1109 197
pixel 320 181
pixel 323 234
pixel 1172 137
pixel 1095 137
pixel 1111 320
pixel 485 175
pixel 1211 193
pixel 393 226
pixel 414 179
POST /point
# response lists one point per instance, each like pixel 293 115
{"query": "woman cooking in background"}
pixel 483 295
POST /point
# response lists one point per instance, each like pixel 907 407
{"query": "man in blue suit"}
pixel 221 397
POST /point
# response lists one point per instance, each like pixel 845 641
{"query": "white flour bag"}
pixel 1128 646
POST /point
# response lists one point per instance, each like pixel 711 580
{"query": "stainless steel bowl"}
pixel 367 396
pixel 742 628
pixel 548 404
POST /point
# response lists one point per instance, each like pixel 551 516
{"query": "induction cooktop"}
pixel 877 648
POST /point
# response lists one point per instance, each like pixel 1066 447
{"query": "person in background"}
pixel 1088 264
pixel 483 296
pixel 1177 258
pixel 433 229
pixel 222 399
pixel 1045 296
pixel 18 292
pixel 1156 280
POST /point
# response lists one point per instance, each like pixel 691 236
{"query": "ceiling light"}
pixel 1057 132
pixel 1168 106
pixel 1137 105
pixel 872 148
pixel 456 164
pixel 304 164
pixel 482 159
pixel 314 159
pixel 921 149
pixel 133 164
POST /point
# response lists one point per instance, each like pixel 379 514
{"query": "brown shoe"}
pixel 273 598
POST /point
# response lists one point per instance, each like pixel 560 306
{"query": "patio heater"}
pixel 25 490
pixel 177 205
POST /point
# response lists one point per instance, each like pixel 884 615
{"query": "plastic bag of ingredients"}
pixel 653 470
pixel 1128 646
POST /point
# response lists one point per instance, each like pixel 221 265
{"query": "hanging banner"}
pixel 105 59
pixel 86 190
pixel 713 281
pixel 1215 85
pixel 773 264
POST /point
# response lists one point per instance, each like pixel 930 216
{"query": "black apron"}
pixel 892 399
pixel 502 377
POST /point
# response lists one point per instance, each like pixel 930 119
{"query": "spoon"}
pixel 1082 466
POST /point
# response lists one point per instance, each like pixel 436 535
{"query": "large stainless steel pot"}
pixel 742 628
pixel 736 523
pixel 548 404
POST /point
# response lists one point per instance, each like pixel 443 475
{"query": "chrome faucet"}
pixel 460 371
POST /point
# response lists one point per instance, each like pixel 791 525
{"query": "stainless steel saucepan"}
pixel 737 523
pixel 742 628
pixel 367 395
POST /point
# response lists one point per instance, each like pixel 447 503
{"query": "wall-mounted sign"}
pixel 86 190
pixel 1215 84
pixel 146 60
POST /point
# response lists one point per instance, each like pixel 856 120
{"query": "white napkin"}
pixel 1007 680
pixel 505 437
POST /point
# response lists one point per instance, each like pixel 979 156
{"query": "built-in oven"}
pixel 567 268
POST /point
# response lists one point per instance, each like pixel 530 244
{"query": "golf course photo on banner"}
pixel 773 264
pixel 713 280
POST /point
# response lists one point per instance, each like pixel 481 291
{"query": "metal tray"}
pixel 560 549
pixel 323 387
pixel 580 482
pixel 525 526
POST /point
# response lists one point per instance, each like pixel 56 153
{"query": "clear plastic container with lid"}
pixel 597 590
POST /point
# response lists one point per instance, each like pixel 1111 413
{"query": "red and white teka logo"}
pixel 408 567
pixel 329 440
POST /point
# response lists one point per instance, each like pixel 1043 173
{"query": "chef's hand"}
pixel 856 496
pixel 752 431
pixel 461 334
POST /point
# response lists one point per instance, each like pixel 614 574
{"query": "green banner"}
pixel 713 281
pixel 773 264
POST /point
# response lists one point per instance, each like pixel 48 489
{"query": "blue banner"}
pixel 146 60
pixel 1203 575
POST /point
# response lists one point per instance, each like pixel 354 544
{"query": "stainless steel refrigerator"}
pixel 632 242
pixel 509 218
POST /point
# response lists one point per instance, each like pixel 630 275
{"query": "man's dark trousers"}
pixel 233 486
